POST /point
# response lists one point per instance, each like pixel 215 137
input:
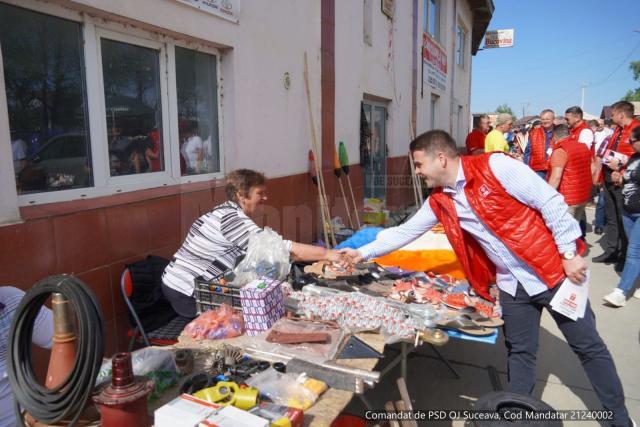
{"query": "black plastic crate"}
pixel 210 294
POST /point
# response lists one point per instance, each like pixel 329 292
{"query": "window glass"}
pixel 460 42
pixel 46 98
pixel 131 78
pixel 196 83
pixel 434 19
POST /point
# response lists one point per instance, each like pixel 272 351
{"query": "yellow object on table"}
pixel 316 386
pixel 228 393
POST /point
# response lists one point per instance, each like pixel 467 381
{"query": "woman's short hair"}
pixel 241 181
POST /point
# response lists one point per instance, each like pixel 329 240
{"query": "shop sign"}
pixel 226 9
pixel 434 58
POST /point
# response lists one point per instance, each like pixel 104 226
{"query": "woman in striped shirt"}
pixel 219 237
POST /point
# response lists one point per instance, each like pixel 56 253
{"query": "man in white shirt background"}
pixel 579 128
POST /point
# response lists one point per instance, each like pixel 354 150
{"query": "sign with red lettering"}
pixel 498 38
pixel 434 60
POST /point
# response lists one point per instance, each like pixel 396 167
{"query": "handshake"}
pixel 344 257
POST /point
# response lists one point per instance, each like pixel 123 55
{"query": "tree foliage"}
pixel 633 95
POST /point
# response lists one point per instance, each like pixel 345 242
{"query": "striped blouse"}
pixel 211 247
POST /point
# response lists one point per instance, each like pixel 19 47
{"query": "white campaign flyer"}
pixel 571 299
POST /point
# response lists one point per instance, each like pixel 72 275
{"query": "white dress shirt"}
pixel 525 186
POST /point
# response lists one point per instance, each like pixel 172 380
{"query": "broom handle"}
pixel 344 197
pixel 314 142
pixel 326 205
pixel 353 199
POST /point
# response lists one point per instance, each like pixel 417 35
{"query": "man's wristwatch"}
pixel 569 255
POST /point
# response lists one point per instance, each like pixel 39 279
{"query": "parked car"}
pixel 61 162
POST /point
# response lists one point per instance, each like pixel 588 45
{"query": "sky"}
pixel 558 45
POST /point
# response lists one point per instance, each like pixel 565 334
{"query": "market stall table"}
pixel 325 409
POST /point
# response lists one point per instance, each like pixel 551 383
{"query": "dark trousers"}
pixel 182 304
pixel 615 241
pixel 600 216
pixel 521 330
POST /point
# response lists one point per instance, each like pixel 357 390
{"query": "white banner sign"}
pixel 227 9
pixel 434 58
pixel 498 38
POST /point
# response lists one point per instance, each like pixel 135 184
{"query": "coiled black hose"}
pixel 66 401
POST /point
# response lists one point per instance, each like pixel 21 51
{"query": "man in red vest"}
pixel 615 241
pixel 510 228
pixel 538 150
pixel 475 139
pixel 570 170
pixel 580 130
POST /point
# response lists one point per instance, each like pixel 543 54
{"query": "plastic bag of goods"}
pixel 267 256
pixel 224 322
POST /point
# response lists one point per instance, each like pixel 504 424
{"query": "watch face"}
pixel 569 255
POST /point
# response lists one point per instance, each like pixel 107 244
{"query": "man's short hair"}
pixel 625 106
pixel 545 111
pixel 433 142
pixel 575 110
pixel 560 132
pixel 503 118
pixel 593 123
pixel 478 119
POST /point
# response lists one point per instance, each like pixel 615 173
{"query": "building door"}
pixel 375 166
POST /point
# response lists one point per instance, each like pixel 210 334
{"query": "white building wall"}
pixel 458 88
pixel 380 70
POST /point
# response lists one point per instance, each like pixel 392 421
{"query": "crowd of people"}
pixel 583 160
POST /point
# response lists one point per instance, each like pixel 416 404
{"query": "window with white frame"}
pixel 131 82
pixel 197 112
pixel 461 41
pixel 431 18
pixel 45 86
pixel 144 115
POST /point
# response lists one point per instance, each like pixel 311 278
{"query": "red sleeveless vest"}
pixel 575 184
pixel 537 140
pixel 519 227
pixel 623 145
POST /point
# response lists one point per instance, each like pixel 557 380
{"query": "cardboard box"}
pixel 262 305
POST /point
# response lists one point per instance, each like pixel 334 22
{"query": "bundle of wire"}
pixel 67 400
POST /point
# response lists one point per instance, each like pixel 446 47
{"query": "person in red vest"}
pixel 615 240
pixel 580 130
pixel 538 150
pixel 570 170
pixel 510 228
pixel 475 139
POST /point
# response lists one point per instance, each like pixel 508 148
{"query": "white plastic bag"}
pixel 283 389
pixel 144 360
pixel 267 256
